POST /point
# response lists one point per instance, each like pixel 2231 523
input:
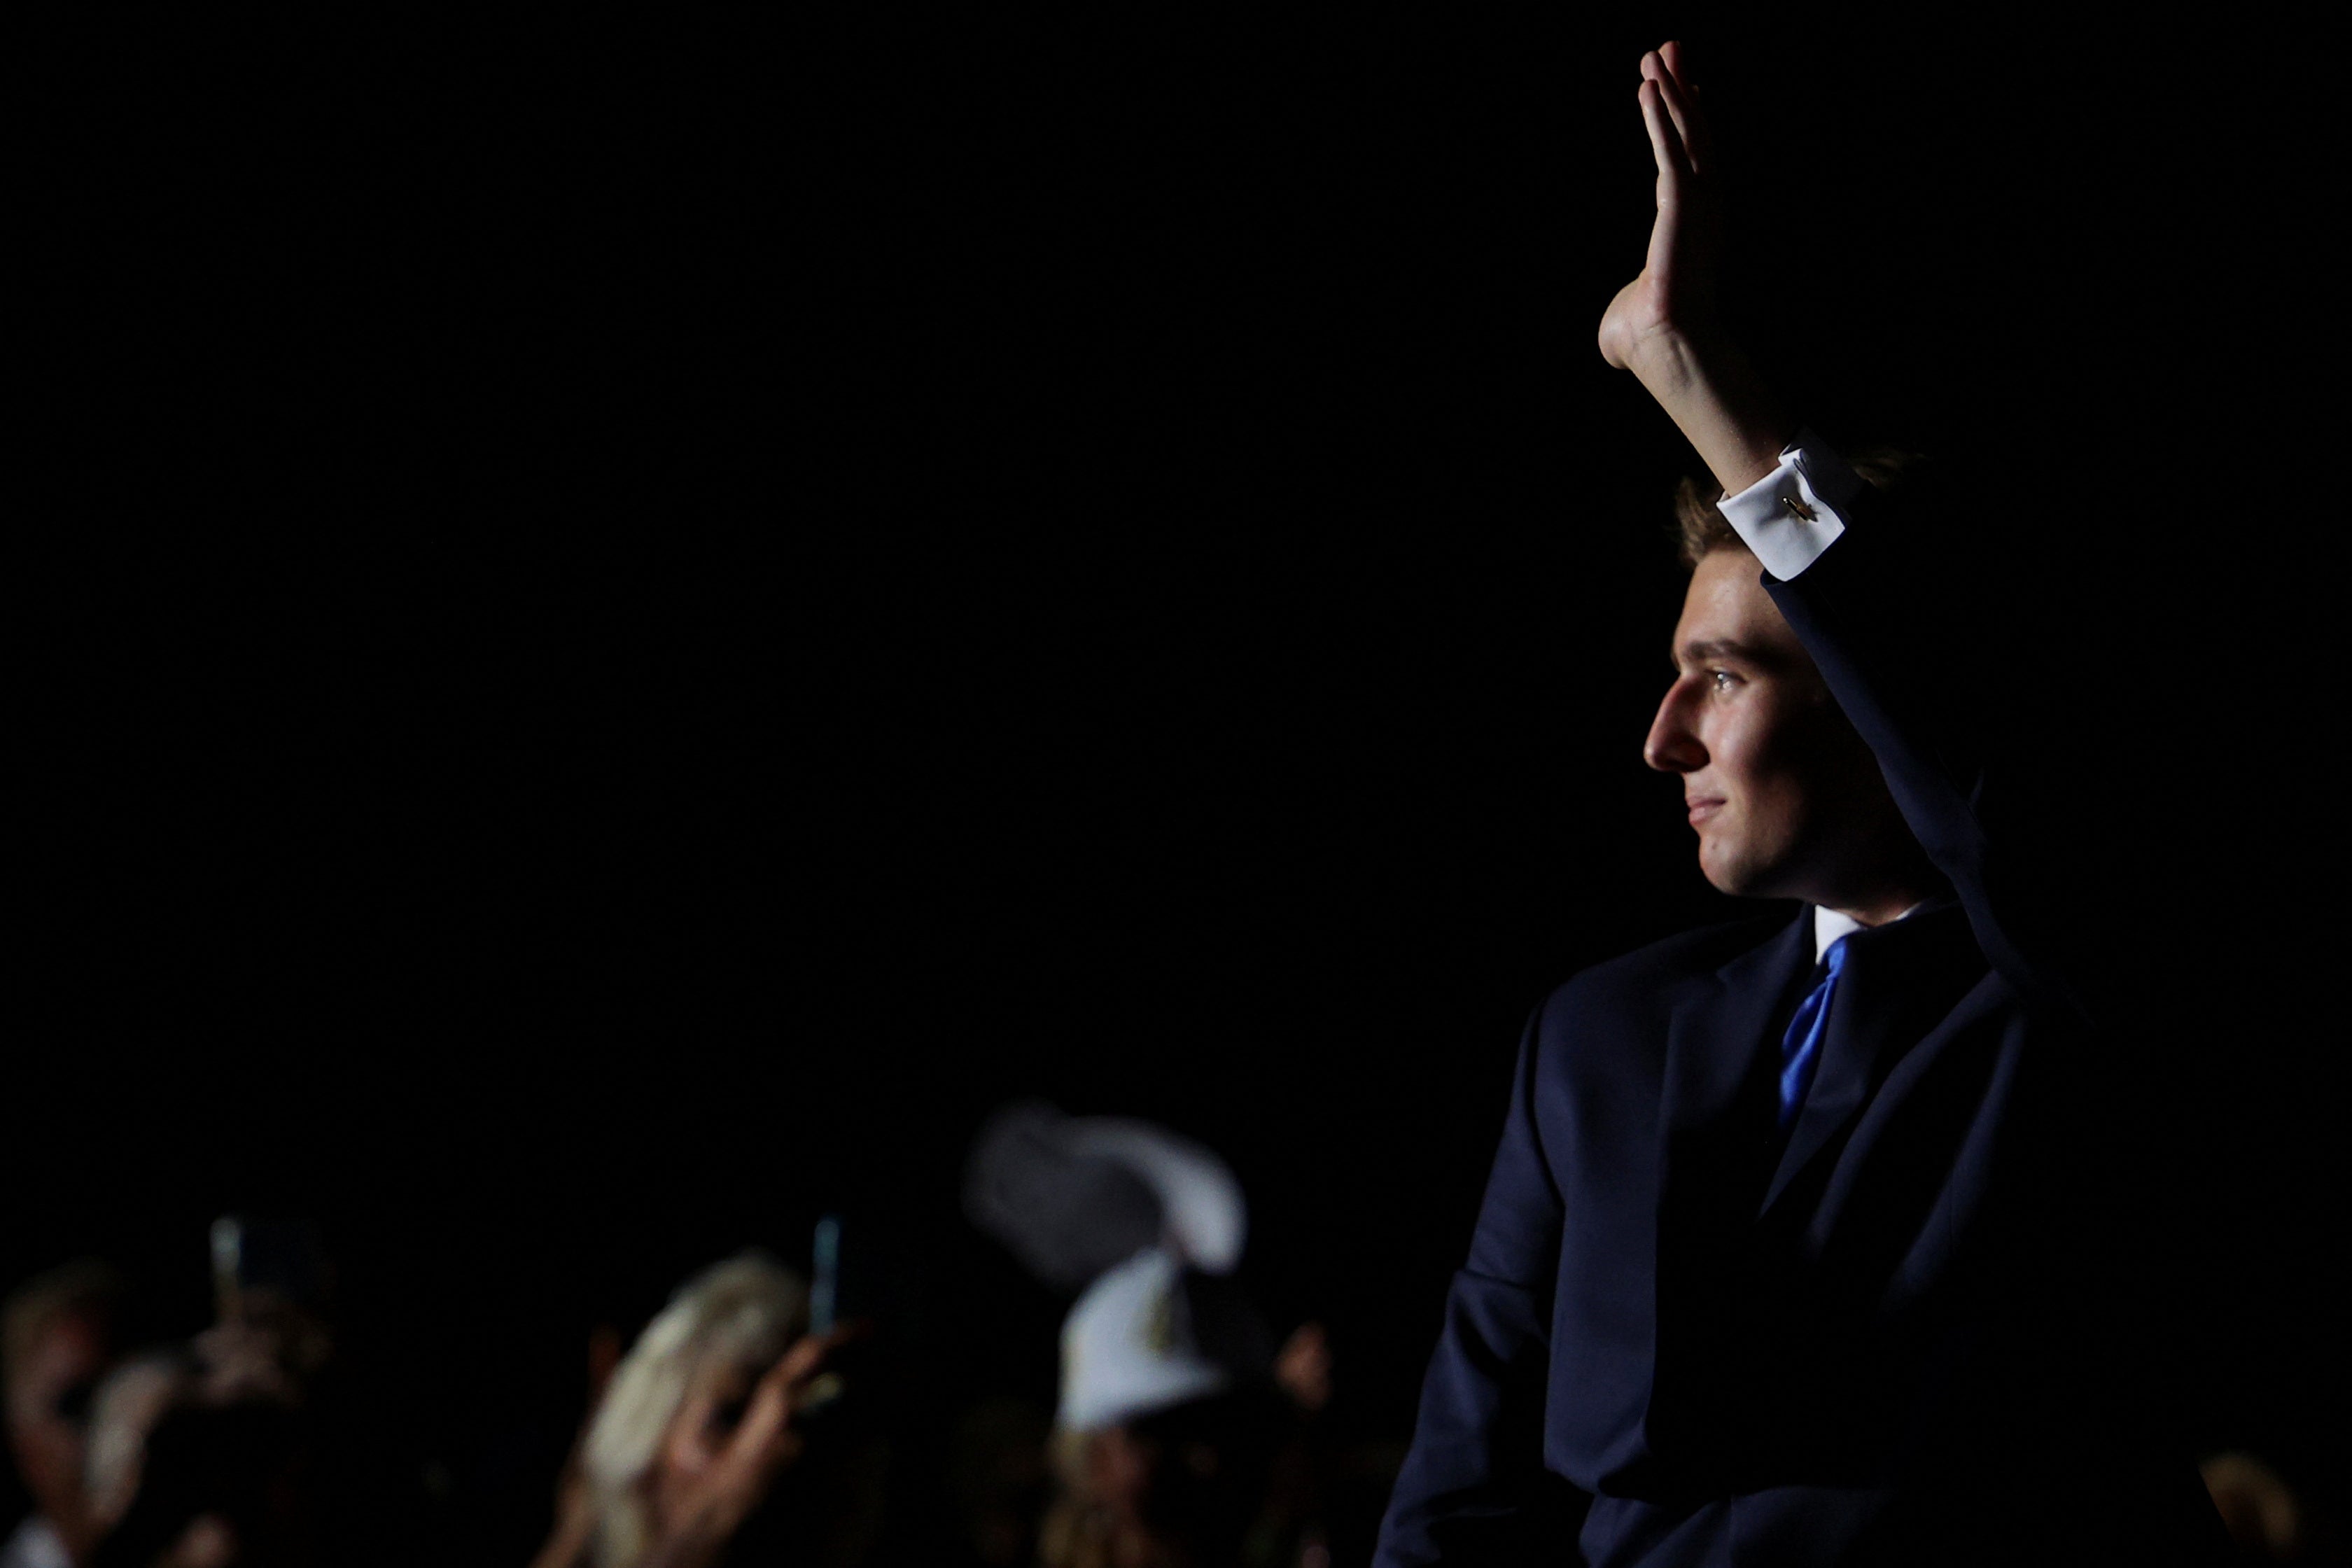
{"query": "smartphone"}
pixel 279 1257
pixel 824 1306
pixel 824 1276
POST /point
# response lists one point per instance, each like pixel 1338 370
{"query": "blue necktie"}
pixel 1800 1047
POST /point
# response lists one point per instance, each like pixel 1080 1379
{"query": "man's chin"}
pixel 1739 879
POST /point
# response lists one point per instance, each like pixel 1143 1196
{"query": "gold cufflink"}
pixel 1798 509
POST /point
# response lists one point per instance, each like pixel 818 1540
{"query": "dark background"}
pixel 624 634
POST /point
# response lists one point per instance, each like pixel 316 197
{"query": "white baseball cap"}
pixel 1131 1346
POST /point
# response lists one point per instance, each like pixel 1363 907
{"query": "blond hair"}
pixel 746 1312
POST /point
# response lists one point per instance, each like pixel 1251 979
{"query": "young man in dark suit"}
pixel 1791 1249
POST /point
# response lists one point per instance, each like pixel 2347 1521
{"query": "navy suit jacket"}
pixel 1894 1334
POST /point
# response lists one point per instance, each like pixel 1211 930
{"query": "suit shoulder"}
pixel 1641 978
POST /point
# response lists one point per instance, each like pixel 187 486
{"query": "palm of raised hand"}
pixel 1675 292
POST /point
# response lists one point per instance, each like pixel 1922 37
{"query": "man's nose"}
pixel 1671 746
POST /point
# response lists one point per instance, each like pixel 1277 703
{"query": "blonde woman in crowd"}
pixel 695 1424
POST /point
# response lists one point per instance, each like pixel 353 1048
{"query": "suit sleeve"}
pixel 1868 582
pixel 1469 1490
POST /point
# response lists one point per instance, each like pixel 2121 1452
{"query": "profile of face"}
pixel 1787 800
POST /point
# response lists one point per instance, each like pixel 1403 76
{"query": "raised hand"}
pixel 1676 291
pixel 764 1443
pixel 1661 325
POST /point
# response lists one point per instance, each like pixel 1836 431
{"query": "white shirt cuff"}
pixel 1796 511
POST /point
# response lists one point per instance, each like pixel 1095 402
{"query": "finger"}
pixel 1690 129
pixel 807 1357
pixel 1673 174
pixel 1666 63
pixel 1666 143
pixel 765 1435
pixel 764 1441
pixel 1658 71
pixel 800 1363
pixel 770 1409
pixel 767 1415
pixel 1676 58
pixel 1699 136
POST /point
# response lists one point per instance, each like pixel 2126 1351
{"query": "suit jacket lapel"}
pixel 1715 1133
pixel 1718 1024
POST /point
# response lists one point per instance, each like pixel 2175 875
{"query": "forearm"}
pixel 1881 616
pixel 1719 401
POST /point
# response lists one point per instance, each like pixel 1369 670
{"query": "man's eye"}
pixel 1723 679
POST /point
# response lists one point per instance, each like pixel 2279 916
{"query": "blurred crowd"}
pixel 1187 1431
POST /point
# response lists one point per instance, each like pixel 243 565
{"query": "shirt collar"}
pixel 1829 925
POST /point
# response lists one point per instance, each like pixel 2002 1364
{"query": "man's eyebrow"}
pixel 1700 650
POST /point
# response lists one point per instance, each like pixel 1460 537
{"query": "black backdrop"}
pixel 624 634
